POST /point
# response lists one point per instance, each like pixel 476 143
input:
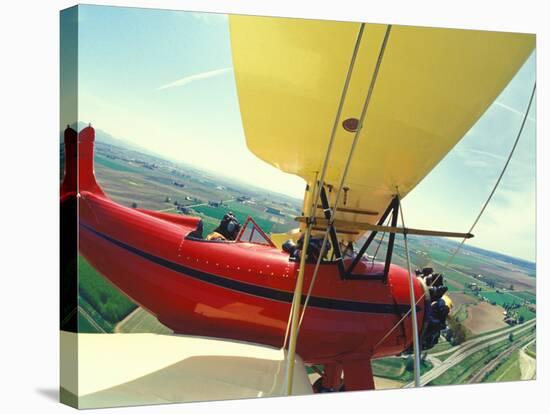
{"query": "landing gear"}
pixel 331 379
pixel 319 389
pixel 349 375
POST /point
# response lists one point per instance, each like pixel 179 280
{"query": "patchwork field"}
pixel 501 298
pixel 484 317
pixel 510 370
pixel 141 321
pixel 100 299
pixel 398 368
pixel 528 296
pixel 460 298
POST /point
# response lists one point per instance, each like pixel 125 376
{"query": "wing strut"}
pixel 328 211
pixel 295 309
pixel 371 237
pixel 414 320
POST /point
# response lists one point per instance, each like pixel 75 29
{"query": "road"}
pixel 483 338
pixel 469 348
pixel 492 365
pixel 527 364
pixel 119 326
pixel 90 320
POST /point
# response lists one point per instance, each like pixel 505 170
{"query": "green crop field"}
pixel 398 368
pixel 501 298
pixel 461 261
pixel 507 371
pixel 461 278
pixel 85 326
pixel 388 367
pixel 531 350
pixel 214 212
pixel 528 296
pixel 463 371
pixel 460 373
pixel 442 345
pixel 526 313
pixel 101 295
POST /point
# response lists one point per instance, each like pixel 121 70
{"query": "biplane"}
pixel 362 112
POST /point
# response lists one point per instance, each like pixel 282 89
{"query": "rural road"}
pixel 90 320
pixel 491 365
pixel 120 325
pixel 467 349
pixel 527 364
pixel 479 339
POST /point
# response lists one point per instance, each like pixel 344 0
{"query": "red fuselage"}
pixel 237 290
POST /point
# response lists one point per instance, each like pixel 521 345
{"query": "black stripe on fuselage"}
pixel 251 289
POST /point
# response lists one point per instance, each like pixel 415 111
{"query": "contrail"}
pixel 514 110
pixel 192 78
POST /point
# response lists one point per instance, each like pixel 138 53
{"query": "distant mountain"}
pixel 104 137
pixel 108 139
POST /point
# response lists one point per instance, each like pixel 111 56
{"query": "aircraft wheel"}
pixel 319 389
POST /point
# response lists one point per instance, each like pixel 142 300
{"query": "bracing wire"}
pixel 381 239
pixel 346 166
pixel 478 217
pixel 316 191
pixel 295 327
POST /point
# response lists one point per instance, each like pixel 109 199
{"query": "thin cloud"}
pixel 196 77
pixel 209 18
pixel 514 110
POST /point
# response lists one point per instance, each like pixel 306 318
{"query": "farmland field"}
pixel 484 317
pixel 528 296
pixel 141 321
pixel 463 299
pixel 467 368
pixel 508 371
pixel 397 368
pixel 118 166
pixel 101 295
pixel 501 298
pixel 526 313
pixel 531 350
pixel 442 345
pixel 85 325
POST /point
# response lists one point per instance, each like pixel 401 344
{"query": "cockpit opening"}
pixel 313 250
pixel 228 229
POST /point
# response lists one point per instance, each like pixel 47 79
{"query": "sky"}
pixel 164 80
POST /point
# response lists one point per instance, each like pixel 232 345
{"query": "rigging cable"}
pixel 447 264
pixel 293 329
pixel 385 223
pixel 315 194
pixel 346 167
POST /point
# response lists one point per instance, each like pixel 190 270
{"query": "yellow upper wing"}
pixel 432 86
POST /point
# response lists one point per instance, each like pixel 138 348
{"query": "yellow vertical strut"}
pixel 296 301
